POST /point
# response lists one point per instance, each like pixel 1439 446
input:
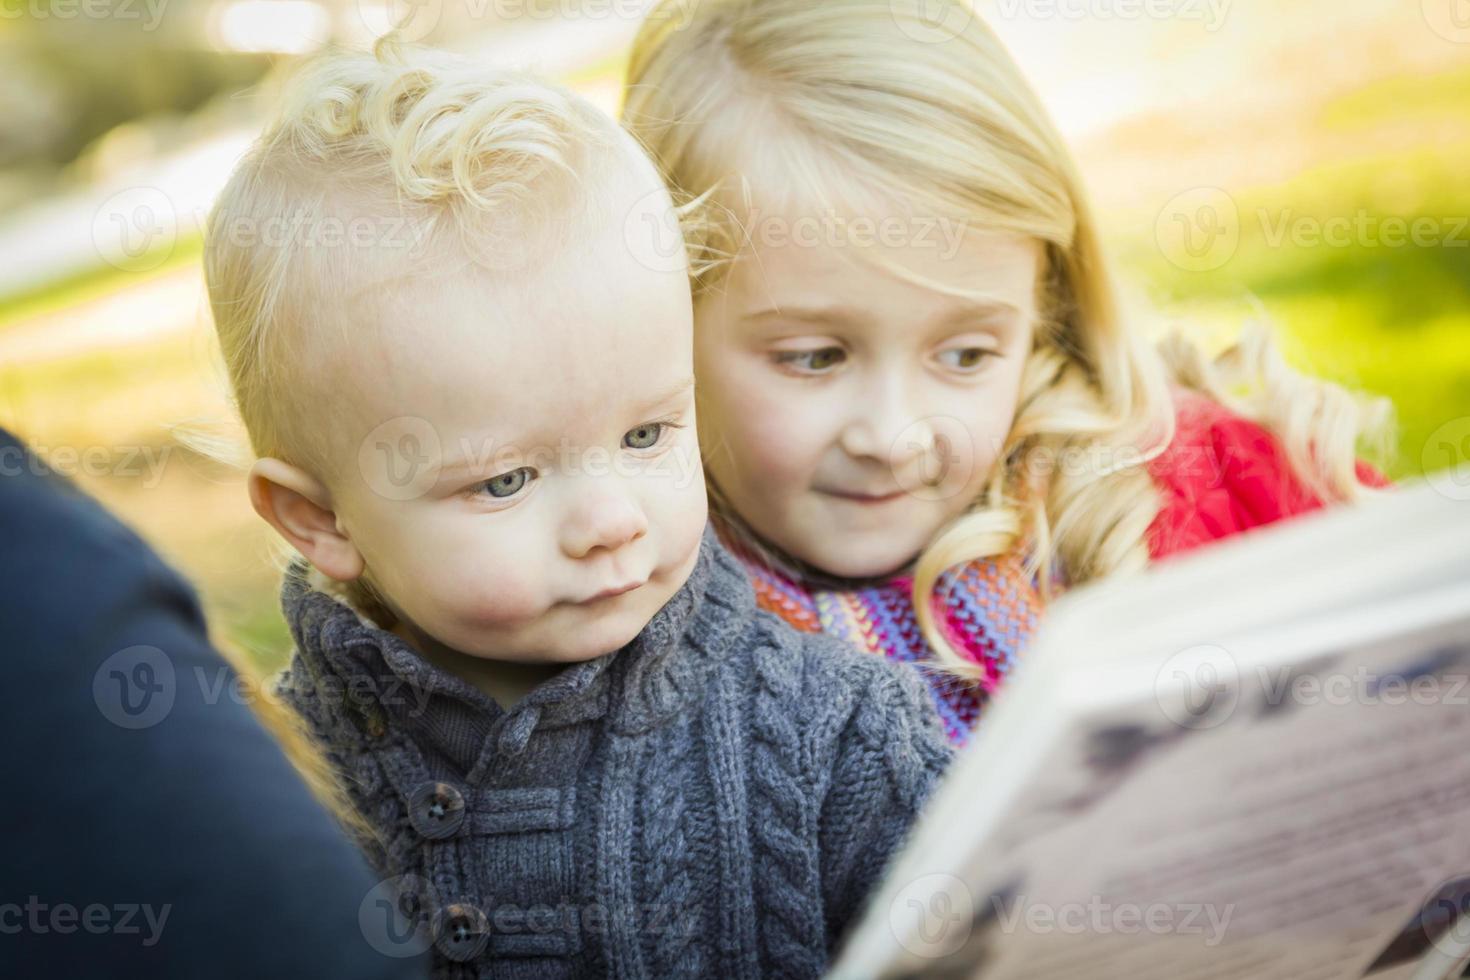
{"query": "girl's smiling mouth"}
pixel 858 497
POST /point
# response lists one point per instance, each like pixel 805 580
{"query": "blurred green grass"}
pixel 1383 318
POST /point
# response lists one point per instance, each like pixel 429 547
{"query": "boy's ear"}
pixel 297 505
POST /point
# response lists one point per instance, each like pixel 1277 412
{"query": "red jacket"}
pixel 1223 474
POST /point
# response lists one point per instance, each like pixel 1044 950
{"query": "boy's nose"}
pixel 603 520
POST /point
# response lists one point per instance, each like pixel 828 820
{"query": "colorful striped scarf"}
pixel 987 610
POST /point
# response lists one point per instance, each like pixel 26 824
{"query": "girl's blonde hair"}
pixel 864 99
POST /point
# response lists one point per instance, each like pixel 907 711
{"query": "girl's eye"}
pixel 812 361
pixel 509 484
pixel 965 358
pixel 644 437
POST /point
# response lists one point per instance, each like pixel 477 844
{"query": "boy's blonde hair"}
pixel 378 167
pixel 864 99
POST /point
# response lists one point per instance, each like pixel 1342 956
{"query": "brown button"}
pixel 461 932
pixel 436 810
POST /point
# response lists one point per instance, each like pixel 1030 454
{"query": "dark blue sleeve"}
pixel 150 827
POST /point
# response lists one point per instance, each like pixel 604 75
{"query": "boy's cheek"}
pixel 478 599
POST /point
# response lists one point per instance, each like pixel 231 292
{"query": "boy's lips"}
pixel 615 590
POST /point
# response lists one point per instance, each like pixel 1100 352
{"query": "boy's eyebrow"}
pixel 837 313
pixel 667 394
pixel 473 461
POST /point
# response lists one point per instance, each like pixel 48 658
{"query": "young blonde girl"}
pixel 1086 451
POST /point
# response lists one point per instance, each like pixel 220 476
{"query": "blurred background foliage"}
pixel 1264 118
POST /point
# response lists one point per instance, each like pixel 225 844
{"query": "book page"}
pixel 1312 823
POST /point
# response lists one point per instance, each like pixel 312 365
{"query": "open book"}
pixel 1250 762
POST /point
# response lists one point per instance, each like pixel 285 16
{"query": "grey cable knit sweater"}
pixel 714 799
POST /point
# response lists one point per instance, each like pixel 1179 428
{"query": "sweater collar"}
pixel 637 686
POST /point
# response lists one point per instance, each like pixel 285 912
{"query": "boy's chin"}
pixel 602 633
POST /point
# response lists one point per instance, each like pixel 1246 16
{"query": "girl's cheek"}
pixel 985 440
pixel 778 444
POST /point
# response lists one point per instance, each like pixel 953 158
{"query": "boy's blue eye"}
pixel 813 361
pixel 509 484
pixel 643 437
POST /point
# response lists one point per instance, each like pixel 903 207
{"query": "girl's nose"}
pixel 886 429
pixel 602 519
